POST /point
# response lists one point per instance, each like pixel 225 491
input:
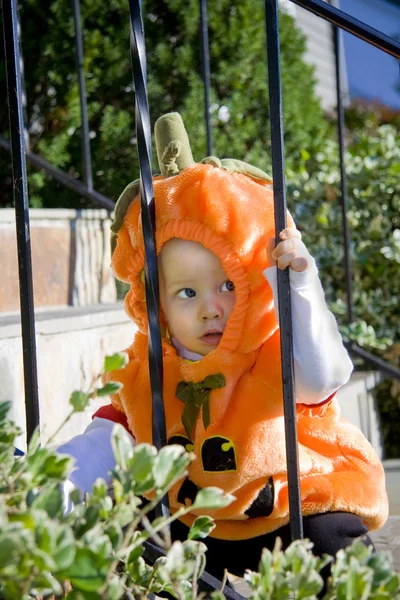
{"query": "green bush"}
pixel 373 169
pixel 372 162
pixel 98 549
pixel 240 111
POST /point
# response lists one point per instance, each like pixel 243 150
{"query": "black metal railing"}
pixel 20 153
pixel 20 190
pixel 284 301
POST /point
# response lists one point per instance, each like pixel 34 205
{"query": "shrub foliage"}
pixel 98 551
pixel 240 112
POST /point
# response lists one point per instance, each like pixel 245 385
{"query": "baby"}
pixel 218 297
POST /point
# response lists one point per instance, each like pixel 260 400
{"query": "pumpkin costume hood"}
pixel 227 206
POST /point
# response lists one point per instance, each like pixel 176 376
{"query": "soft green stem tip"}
pixel 172 144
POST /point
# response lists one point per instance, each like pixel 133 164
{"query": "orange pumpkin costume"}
pixel 228 207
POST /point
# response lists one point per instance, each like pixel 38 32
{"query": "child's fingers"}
pixel 290 232
pixel 271 247
pixel 287 246
pixel 292 259
pixel 299 264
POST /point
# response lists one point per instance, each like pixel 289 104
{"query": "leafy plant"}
pixel 98 548
pixel 98 551
pixel 239 111
pixel 357 574
pixel 372 163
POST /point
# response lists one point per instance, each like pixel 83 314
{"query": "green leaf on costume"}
pixel 195 396
pixel 206 411
pixel 214 381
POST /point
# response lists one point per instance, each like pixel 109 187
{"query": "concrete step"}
pixel 358 405
pixel 387 539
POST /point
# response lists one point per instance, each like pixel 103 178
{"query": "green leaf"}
pixel 25 518
pixel 4 410
pixel 79 401
pixel 141 467
pixel 201 528
pixel 64 553
pixel 114 532
pixel 135 554
pixel 45 584
pixel 122 446
pixel 115 588
pixel 10 548
pixel 175 558
pixel 57 466
pixel 99 489
pixel 212 497
pixel 34 443
pixel 79 595
pixel 112 387
pixel 85 572
pixel 170 465
pixel 50 500
pixel 123 514
pixel 116 361
pixel 217 595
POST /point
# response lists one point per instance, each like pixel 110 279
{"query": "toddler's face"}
pixel 196 295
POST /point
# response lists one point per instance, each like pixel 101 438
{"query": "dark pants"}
pixel 329 532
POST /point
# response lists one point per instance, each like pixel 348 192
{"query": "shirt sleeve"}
pixel 94 458
pixel 321 362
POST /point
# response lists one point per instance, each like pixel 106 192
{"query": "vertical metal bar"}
pixel 80 69
pixel 20 190
pixel 205 64
pixel 344 202
pixel 23 88
pixel 143 135
pixel 285 312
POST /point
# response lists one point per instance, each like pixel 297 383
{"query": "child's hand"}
pixel 291 251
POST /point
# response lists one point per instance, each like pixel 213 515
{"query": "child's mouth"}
pixel 213 338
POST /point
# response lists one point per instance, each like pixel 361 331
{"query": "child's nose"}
pixel 211 310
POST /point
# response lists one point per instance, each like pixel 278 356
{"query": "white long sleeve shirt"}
pixel 321 366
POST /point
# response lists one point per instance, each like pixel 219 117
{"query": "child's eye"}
pixel 228 286
pixel 187 293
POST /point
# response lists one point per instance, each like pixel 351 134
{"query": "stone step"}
pixel 388 539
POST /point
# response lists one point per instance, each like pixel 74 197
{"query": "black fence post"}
pixel 344 198
pixel 143 136
pixel 20 190
pixel 205 64
pixel 80 69
pixel 284 302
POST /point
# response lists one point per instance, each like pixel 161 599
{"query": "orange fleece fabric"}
pixel 242 451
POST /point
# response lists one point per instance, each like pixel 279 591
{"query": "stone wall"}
pixel 71 345
pixel 70 258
